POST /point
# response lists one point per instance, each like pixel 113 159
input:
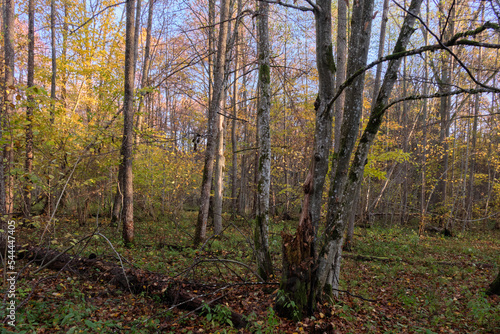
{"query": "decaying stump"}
pixel 298 261
pixel 494 288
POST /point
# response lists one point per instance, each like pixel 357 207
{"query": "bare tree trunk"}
pixel 8 20
pixel 441 192
pixel 214 109
pixel 234 139
pixel 328 272
pixel 341 68
pixel 342 198
pixel 423 157
pixel 242 203
pixel 299 250
pixel 405 139
pixel 128 136
pixel 376 88
pixel 137 31
pixel 220 164
pixel 145 67
pixel 264 264
pixel 323 126
pixel 472 167
pixel 8 152
pixel 28 164
pixel 54 57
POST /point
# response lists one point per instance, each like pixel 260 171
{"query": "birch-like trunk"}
pixel 220 164
pixel 261 237
pixel 342 198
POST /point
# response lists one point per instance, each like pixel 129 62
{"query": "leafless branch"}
pixel 284 4
pixel 95 15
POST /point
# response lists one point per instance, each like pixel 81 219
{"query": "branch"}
pixel 445 47
pixel 232 117
pixel 453 41
pixel 284 4
pixel 430 96
pixel 94 16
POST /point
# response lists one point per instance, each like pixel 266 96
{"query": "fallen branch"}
pixel 136 281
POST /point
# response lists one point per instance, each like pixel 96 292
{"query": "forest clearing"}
pixel 263 166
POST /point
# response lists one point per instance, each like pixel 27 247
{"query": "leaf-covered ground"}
pixel 393 281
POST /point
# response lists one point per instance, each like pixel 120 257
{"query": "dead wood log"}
pixel 136 281
pixel 360 257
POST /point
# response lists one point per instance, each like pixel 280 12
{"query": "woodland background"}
pixel 434 165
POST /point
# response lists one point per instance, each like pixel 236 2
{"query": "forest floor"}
pixel 396 282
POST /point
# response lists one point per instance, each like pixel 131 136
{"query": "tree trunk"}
pixel 328 266
pixel 128 135
pixel 137 31
pixel 28 164
pixel 234 139
pixel 340 75
pixel 214 109
pixel 220 163
pixel 423 156
pixel 494 288
pixel 472 167
pixel 330 252
pixel 54 58
pixel 440 194
pixel 376 87
pixel 264 264
pixel 299 250
pixel 323 126
pixel 8 151
pixel 145 68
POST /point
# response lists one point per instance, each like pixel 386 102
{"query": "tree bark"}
pixel 494 288
pixel 54 58
pixel 341 68
pixel 440 194
pixel 28 164
pixel 214 109
pixel 261 237
pixel 324 117
pixel 220 164
pixel 7 193
pixel 376 88
pixel 342 198
pixel 330 251
pixel 299 250
pixel 145 68
pixel 236 102
pixel 128 135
